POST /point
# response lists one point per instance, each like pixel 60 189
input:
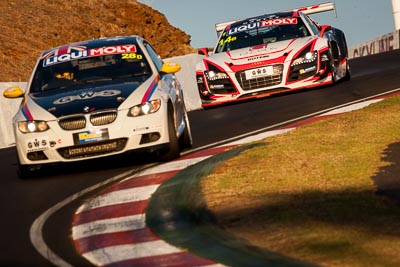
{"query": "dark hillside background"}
pixel 27 27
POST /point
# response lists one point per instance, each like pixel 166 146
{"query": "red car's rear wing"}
pixel 317 8
pixel 219 27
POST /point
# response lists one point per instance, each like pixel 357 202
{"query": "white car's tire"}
pixel 173 149
pixel 185 141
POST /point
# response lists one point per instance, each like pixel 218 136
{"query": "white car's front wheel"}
pixel 173 149
pixel 185 141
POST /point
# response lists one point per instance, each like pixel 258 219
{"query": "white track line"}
pixel 119 197
pixel 36 231
pixel 259 136
pixel 170 166
pixel 119 253
pixel 108 226
pixel 351 107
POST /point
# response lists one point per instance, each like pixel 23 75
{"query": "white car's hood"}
pixel 83 100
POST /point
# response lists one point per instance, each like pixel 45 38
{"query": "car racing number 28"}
pixel 131 56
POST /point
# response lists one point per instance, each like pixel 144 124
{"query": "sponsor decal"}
pixel 67 49
pixel 86 95
pixel 26 112
pixel 262 24
pixel 38 144
pixel 313 68
pixel 381 44
pixel 90 136
pixel 25 109
pixel 54 143
pixel 260 72
pixel 258 47
pixel 87 109
pixel 149 92
pixel 258 58
pixel 141 129
pixel 68 53
pixel 74 151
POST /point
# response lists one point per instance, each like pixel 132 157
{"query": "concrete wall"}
pixel 8 107
pixel 187 77
pixel 384 43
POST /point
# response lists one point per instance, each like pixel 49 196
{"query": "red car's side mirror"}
pixel 324 28
pixel 203 51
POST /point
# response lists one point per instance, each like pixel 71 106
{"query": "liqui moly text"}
pixel 261 24
pixel 72 53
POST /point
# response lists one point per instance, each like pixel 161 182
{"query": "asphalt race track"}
pixel 23 201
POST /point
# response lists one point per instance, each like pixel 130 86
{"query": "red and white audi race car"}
pixel 273 53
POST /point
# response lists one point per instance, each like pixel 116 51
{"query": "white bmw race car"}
pixel 273 53
pixel 98 98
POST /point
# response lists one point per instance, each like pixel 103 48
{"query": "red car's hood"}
pixel 271 53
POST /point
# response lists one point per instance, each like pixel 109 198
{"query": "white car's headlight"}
pixel 145 108
pixel 32 126
pixel 309 57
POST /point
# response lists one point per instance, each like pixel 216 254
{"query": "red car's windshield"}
pixel 251 33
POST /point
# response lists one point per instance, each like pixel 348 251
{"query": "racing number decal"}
pixel 131 56
pixel 227 40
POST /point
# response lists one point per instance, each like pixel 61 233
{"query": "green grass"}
pixel 310 193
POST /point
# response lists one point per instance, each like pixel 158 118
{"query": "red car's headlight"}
pixel 305 58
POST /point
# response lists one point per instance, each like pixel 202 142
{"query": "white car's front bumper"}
pixel 122 135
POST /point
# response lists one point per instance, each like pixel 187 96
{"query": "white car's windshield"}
pixel 251 33
pixel 89 70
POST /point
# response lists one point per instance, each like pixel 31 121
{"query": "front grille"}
pixel 260 82
pixel 93 149
pixel 77 122
pixel 103 118
pixel 72 123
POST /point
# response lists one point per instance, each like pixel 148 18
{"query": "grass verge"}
pixel 311 193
